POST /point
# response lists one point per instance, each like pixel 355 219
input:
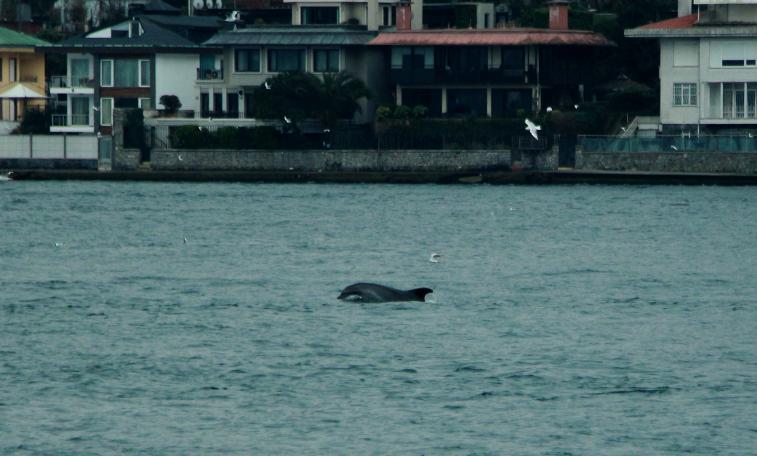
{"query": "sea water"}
pixel 202 319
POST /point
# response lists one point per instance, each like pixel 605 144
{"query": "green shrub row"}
pixel 192 137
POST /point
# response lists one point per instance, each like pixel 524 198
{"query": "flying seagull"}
pixel 532 128
pixel 95 108
pixel 267 85
pixel 179 157
pixel 549 108
pixel 674 147
pixel 287 120
pixel 434 258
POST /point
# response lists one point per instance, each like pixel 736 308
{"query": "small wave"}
pixel 637 390
pixel 469 369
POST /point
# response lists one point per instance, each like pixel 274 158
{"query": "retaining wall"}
pixel 669 162
pixel 328 160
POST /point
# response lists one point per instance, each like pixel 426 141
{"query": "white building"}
pixel 129 65
pixel 708 65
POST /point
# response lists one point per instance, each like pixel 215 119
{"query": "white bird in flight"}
pixel 434 258
pixel 179 157
pixel 532 128
pixel 287 120
pixel 549 108
pixel 674 147
pixel 267 85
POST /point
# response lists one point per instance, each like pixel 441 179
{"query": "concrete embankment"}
pixel 493 177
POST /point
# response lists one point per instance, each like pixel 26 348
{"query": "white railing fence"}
pixel 74 147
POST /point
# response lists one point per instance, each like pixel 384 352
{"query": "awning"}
pixel 491 37
pixel 20 90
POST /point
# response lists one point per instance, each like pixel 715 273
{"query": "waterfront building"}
pixel 491 72
pixel 708 65
pixel 129 65
pixel 22 74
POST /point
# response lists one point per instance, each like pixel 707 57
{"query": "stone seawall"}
pixel 669 162
pixel 328 160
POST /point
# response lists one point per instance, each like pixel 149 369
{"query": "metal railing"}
pixel 669 144
pixel 204 74
pixel 64 120
pixel 62 81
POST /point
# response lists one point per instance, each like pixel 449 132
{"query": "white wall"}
pixel 678 70
pixel 175 74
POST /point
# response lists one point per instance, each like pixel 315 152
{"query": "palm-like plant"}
pixel 339 94
pixel 299 95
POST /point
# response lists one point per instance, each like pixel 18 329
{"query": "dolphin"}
pixel 371 292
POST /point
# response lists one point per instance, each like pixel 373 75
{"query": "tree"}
pixel 8 10
pixel 298 95
pixel 171 102
pixel 339 94
pixel 77 14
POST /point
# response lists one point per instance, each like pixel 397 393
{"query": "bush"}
pixel 193 137
pixel 171 103
pixel 34 122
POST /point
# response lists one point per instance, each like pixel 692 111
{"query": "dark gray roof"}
pixel 293 35
pixel 159 32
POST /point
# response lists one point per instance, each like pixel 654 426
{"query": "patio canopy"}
pixel 21 91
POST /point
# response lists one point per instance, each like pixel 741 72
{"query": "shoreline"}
pixel 559 177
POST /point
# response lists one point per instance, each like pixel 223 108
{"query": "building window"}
pixel 390 16
pixel 145 103
pixel 106 73
pixel 684 94
pixel 312 15
pixel 398 56
pixel 513 58
pixel 419 57
pixel 286 60
pixel 326 60
pixel 80 107
pixel 79 72
pixel 106 112
pixel 144 73
pixel 247 60
pixel 126 73
pixel 12 69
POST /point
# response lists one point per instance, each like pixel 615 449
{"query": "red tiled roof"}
pixel 675 23
pixel 491 37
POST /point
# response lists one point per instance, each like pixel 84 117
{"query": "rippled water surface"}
pixel 565 320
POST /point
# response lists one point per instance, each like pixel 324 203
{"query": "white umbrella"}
pixel 21 91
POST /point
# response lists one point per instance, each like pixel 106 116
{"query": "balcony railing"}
pixel 62 81
pixel 62 120
pixel 424 75
pixel 204 74
pixel 28 78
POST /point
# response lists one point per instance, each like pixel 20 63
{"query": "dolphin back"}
pixel 372 292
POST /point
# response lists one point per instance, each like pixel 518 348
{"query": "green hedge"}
pixel 192 137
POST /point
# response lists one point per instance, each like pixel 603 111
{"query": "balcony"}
pixel 74 123
pixel 61 84
pixel 436 75
pixel 204 74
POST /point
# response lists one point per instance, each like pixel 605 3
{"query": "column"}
pixel 444 100
pixel 489 101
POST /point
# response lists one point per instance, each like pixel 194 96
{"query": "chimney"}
pixel 404 19
pixel 558 14
pixel 684 7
